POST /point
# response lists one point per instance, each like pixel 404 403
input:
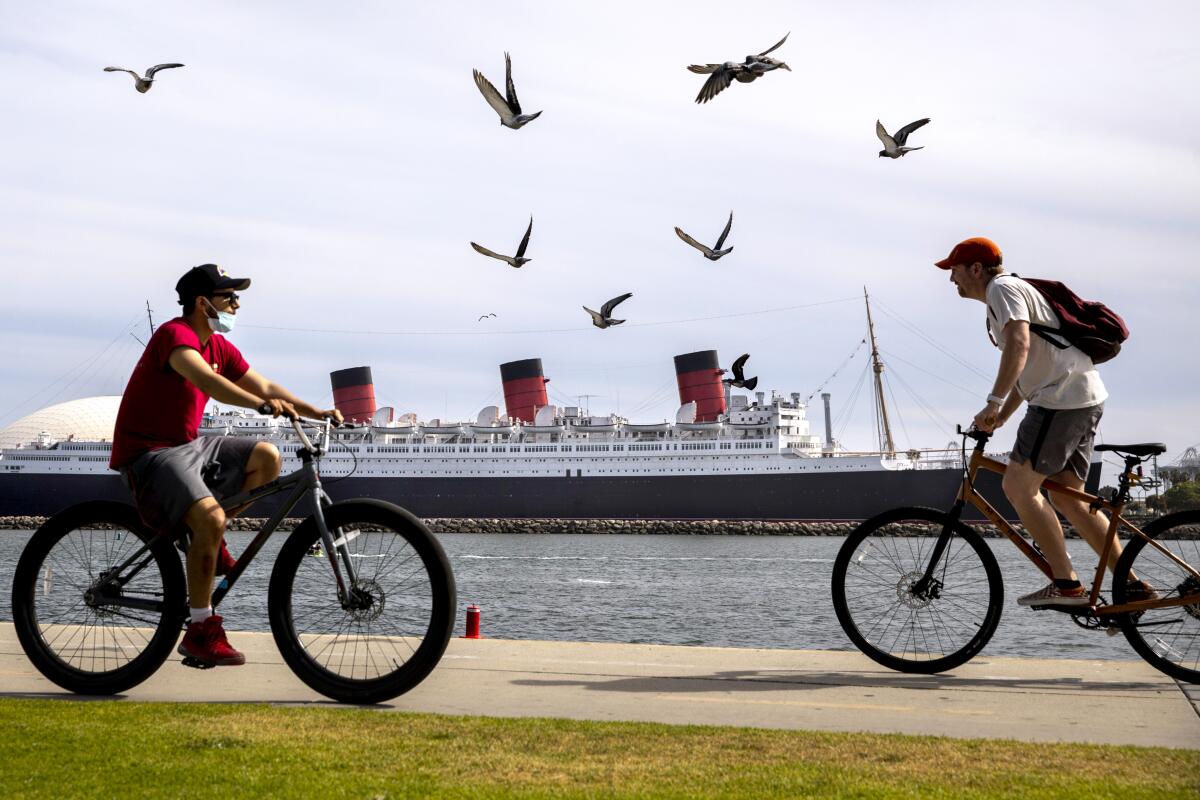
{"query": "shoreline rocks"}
pixel 644 527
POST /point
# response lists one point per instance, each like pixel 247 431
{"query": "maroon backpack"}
pixel 1089 325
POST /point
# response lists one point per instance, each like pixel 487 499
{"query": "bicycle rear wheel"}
pixel 873 578
pixel 1168 638
pixel 391 631
pixel 85 625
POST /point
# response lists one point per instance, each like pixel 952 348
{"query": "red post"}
pixel 472 623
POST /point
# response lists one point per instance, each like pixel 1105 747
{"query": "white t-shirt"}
pixel 1052 377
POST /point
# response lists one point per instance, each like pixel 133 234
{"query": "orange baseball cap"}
pixel 968 251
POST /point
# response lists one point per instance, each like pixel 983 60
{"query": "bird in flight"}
pixel 893 146
pixel 519 259
pixel 484 316
pixel 508 107
pixel 143 84
pixel 603 318
pixel 711 253
pixel 722 75
pixel 739 378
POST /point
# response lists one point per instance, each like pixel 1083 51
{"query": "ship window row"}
pixel 698 446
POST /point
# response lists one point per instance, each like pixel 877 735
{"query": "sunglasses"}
pixel 232 297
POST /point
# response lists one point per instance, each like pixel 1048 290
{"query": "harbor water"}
pixel 722 591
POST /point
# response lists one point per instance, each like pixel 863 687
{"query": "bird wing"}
pixel 777 44
pixel 901 135
pixel 725 232
pixel 150 72
pixel 608 307
pixel 492 96
pixel 704 69
pixel 717 82
pixel 596 316
pixel 750 384
pixel 888 142
pixel 739 365
pixel 702 248
pixel 511 90
pixel 122 69
pixel 484 251
pixel 525 239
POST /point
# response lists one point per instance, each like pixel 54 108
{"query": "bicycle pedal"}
pixel 195 663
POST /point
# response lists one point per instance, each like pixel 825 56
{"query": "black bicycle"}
pixel 361 599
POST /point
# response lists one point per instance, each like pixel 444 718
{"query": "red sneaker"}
pixel 225 560
pixel 206 642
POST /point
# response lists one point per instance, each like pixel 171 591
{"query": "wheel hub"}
pixel 366 600
pixel 906 595
pixel 1189 587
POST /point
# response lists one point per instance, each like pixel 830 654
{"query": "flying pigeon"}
pixel 508 107
pixel 484 316
pixel 739 378
pixel 711 253
pixel 603 318
pixel 893 146
pixel 519 259
pixel 140 83
pixel 722 75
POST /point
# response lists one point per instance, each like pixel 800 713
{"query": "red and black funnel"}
pixel 699 377
pixel 524 388
pixel 354 393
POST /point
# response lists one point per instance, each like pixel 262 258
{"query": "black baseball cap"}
pixel 205 279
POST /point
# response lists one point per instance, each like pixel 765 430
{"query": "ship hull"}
pixel 834 496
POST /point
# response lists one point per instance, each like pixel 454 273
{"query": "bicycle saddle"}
pixel 1147 449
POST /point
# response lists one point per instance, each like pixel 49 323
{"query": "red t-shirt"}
pixel 160 407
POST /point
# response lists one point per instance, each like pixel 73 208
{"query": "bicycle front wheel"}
pixel 98 601
pixel 391 629
pixel 1168 638
pixel 936 630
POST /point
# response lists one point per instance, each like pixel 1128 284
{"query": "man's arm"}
pixel 192 366
pixel 1012 362
pixel 269 390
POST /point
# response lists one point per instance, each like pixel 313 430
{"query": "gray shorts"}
pixel 1054 439
pixel 167 482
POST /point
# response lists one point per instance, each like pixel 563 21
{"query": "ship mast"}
pixel 881 414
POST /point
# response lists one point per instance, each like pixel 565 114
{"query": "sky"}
pixel 341 157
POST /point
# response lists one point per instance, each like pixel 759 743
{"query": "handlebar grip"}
pixel 266 409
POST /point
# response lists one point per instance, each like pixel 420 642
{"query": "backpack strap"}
pixel 1052 335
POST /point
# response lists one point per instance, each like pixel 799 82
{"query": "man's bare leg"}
pixel 1091 527
pixel 206 519
pixel 262 467
pixel 1022 487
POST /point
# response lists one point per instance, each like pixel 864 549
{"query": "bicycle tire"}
pixel 101 654
pixel 870 591
pixel 388 543
pixel 1167 638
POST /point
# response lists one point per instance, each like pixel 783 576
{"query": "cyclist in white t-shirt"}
pixel 1066 400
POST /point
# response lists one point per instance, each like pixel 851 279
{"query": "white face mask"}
pixel 223 322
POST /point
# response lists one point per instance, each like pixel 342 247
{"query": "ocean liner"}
pixel 726 456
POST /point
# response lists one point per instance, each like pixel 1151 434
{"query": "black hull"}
pixel 833 496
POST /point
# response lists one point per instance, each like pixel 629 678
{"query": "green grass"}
pixel 65 749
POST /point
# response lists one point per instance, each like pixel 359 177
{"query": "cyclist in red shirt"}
pixel 177 476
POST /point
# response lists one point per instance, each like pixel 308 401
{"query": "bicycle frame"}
pixel 967 493
pixel 304 481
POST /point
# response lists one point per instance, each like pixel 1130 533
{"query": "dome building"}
pixel 85 419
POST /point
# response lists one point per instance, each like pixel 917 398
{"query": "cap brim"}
pixel 945 263
pixel 237 284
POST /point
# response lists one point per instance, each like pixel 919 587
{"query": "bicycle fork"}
pixel 929 587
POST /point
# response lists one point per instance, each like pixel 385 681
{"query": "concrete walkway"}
pixel 1118 702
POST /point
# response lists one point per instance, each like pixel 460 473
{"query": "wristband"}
pixel 995 399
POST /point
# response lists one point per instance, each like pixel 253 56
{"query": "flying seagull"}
pixel 519 259
pixel 722 75
pixel 603 318
pixel 739 378
pixel 140 83
pixel 484 316
pixel 508 107
pixel 893 146
pixel 711 253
